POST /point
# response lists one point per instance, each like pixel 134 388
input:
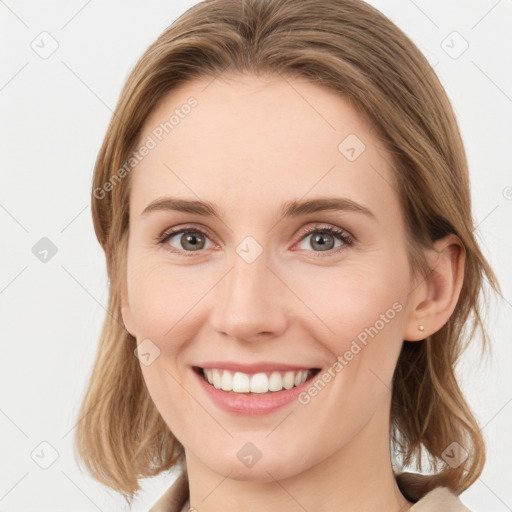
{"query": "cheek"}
pixel 163 302
pixel 348 299
pixel 162 298
pixel 358 317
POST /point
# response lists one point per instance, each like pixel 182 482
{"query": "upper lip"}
pixel 253 367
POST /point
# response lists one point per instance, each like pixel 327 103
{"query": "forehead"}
pixel 257 141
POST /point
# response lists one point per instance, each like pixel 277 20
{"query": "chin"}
pixel 261 472
pixel 267 469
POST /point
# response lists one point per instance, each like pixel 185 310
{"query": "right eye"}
pixel 189 239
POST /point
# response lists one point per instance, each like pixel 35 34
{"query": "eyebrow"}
pixel 289 209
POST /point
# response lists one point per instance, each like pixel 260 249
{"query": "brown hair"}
pixel 349 47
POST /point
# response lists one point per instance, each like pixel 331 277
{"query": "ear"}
pixel 434 298
pixel 126 313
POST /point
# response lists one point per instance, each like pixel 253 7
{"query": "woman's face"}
pixel 252 294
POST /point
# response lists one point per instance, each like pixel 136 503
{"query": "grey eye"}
pixel 320 241
pixel 190 240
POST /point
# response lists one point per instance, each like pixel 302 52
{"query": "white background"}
pixel 54 114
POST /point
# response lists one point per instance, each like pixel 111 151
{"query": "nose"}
pixel 251 303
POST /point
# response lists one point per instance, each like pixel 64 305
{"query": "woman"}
pixel 283 200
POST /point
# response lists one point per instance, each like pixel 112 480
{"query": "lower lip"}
pixel 251 405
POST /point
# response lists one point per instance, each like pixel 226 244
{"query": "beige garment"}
pixel 412 485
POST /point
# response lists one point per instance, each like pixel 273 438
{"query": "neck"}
pixel 358 478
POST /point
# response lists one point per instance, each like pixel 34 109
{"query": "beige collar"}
pixel 414 486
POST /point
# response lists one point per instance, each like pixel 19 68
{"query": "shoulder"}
pixel 175 497
pixel 440 498
pixel 427 493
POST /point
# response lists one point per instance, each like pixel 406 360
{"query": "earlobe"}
pixel 436 297
pixel 126 314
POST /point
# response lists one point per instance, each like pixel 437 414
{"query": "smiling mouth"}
pixel 256 383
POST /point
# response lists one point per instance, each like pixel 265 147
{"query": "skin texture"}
pixel 249 145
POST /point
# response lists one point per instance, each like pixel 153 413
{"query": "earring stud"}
pixel 421 328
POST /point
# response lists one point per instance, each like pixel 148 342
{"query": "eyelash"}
pixel 340 234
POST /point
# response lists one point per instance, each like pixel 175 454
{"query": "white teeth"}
pixel 288 380
pixel 275 383
pixel 215 378
pixel 240 382
pixel 259 383
pixel 226 384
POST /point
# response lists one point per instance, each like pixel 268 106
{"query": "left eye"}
pixel 324 239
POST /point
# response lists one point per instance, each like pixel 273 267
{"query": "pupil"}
pixel 194 240
pixel 322 244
